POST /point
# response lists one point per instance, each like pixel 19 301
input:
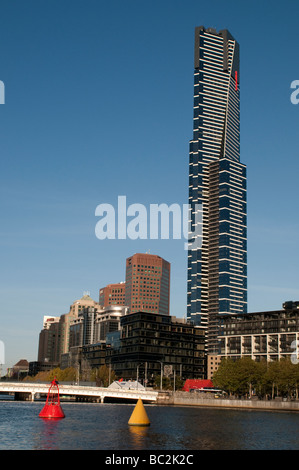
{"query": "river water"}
pixel 91 426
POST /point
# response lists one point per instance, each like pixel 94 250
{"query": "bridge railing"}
pixel 77 390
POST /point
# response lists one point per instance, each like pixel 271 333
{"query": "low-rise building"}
pixel 213 362
pixel 19 370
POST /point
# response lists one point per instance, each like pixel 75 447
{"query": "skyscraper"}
pixel 147 284
pixel 217 254
pixel 113 294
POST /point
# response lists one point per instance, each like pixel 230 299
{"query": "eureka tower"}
pixel 217 255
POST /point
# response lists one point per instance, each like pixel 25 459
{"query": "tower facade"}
pixel 113 294
pixel 147 283
pixel 217 252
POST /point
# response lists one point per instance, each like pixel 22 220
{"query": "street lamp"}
pixel 161 374
pixel 174 381
pixel 145 375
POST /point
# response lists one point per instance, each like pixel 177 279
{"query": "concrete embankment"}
pixel 191 399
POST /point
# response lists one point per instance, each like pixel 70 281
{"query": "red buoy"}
pixel 52 408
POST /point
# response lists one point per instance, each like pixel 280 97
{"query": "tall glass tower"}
pixel 217 252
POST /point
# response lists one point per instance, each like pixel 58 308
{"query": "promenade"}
pixel 192 399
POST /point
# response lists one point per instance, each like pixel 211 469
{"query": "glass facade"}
pixel 217 262
pixel 149 340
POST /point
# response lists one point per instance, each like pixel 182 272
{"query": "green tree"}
pixel 179 382
pixel 274 378
pixel 249 375
pixel 103 376
pixel 243 376
pixel 261 371
pixel 226 377
pixel 295 380
pixel 61 375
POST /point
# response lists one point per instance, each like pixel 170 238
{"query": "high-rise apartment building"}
pixel 147 284
pixel 217 254
pixel 48 345
pixel 54 339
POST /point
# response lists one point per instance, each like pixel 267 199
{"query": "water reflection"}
pixel 48 438
pixel 137 436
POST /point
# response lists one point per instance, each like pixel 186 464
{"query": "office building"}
pixel 147 283
pixel 54 338
pixel 94 323
pixel 88 335
pixel 217 252
pixel 154 343
pixel 112 294
pixel 76 309
pixel 84 302
pixel 108 321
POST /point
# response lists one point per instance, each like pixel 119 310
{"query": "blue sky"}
pixel 98 103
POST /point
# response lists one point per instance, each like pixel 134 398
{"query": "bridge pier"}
pixel 90 399
pixel 23 396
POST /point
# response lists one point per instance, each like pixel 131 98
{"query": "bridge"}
pixel 29 391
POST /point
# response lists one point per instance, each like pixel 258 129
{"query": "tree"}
pixel 103 376
pixel 243 376
pixel 249 374
pixel 62 375
pixel 295 379
pixel 168 382
pixel 179 382
pixel 240 377
pixel 226 377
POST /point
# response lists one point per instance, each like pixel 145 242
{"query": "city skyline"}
pixel 84 122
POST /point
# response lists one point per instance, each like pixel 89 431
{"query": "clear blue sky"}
pixel 98 103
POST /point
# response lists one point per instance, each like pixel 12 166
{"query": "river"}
pixel 91 426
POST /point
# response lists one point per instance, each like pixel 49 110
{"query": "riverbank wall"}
pixel 191 399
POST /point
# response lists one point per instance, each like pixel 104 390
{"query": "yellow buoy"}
pixel 139 416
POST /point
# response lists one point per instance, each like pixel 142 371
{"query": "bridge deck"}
pixel 78 391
